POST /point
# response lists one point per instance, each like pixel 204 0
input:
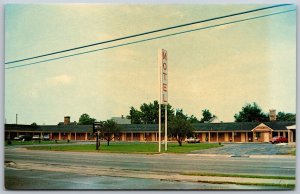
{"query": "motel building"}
pixel 206 132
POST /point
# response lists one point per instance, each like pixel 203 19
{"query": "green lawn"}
pixel 120 147
pixel 293 152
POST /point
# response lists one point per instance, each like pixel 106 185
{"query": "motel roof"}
pixel 50 128
pixel 242 126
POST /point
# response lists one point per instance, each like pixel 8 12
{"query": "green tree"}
pixel 179 127
pixel 180 114
pixel 85 119
pixel 170 113
pixel 135 116
pixel 148 113
pixel 109 130
pixel 34 124
pixel 193 119
pixel 251 113
pixel 281 116
pixel 206 116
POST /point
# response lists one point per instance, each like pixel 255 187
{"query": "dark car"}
pixel 23 138
pixel 279 139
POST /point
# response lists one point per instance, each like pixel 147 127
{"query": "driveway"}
pixel 241 149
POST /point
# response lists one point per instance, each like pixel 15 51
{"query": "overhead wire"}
pixel 153 38
pixel 149 32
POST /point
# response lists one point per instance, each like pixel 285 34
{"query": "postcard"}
pixel 150 96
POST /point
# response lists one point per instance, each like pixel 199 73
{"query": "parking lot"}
pixel 242 149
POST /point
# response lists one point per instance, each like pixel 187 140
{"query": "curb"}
pixel 242 156
pixel 211 155
pixel 272 156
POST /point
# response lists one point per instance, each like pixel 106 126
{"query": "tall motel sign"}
pixel 163 93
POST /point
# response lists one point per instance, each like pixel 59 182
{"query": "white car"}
pixel 36 137
pixel 46 137
pixel 192 140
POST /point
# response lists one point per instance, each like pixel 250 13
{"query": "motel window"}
pixel 257 135
pixel 128 135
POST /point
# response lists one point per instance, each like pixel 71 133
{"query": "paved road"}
pixel 32 179
pixel 159 162
pixel 141 164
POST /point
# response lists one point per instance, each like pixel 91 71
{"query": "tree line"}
pixel 180 124
pixel 148 114
pixel 253 113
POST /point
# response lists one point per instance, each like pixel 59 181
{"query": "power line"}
pixel 148 39
pixel 149 32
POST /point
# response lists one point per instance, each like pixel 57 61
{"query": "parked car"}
pixel 46 137
pixel 23 138
pixel 36 137
pixel 279 139
pixel 192 140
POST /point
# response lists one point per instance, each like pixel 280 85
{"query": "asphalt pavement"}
pixel 247 149
pixel 40 180
pixel 139 168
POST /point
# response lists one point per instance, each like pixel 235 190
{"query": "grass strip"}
pixel 293 153
pixel 134 147
pixel 239 175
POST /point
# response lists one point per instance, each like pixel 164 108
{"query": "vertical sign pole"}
pixel 159 108
pixel 166 128
pixel 159 129
pixel 164 90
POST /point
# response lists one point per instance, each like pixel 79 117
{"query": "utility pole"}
pixel 16 119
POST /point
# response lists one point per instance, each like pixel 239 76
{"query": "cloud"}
pixel 59 80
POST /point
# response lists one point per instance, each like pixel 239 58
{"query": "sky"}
pixel 220 69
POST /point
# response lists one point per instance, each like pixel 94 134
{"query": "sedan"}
pixel 36 137
pixel 192 140
pixel 23 138
pixel 279 139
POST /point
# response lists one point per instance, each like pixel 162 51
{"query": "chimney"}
pixel 272 115
pixel 66 120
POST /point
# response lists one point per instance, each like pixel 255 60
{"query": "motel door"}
pixel 266 137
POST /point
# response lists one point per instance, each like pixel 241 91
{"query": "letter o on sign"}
pixel 164 66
